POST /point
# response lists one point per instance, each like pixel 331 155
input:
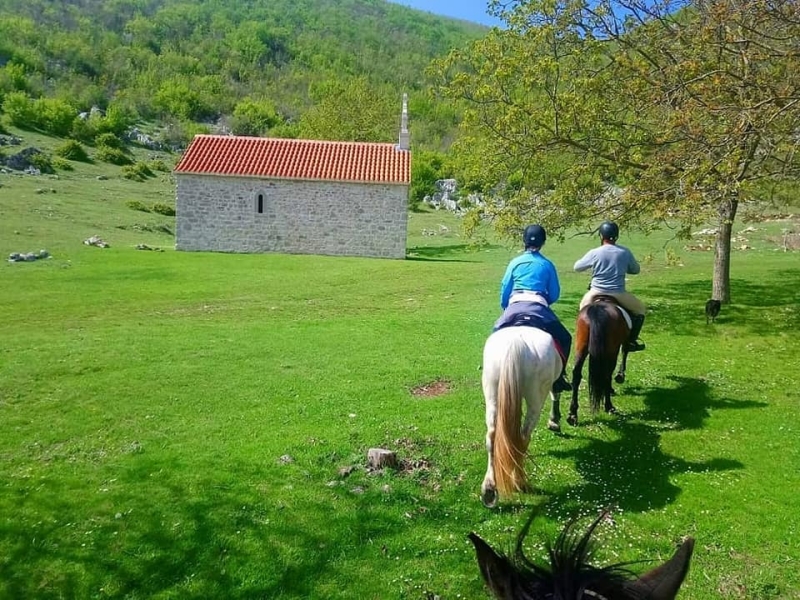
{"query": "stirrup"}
pixel 636 346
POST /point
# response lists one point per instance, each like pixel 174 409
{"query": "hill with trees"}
pixel 291 68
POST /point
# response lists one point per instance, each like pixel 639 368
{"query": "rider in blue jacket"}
pixel 530 285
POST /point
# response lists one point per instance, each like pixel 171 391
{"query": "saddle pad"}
pixel 626 316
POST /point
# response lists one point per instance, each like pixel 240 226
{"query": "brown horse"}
pixel 601 331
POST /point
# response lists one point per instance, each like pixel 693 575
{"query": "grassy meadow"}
pixel 195 425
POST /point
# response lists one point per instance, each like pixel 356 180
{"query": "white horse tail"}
pixel 509 446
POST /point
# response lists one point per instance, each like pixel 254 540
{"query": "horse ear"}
pixel 663 582
pixel 496 569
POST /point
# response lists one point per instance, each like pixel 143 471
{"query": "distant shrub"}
pixel 109 140
pixel 179 134
pixel 116 120
pixel 72 150
pixel 137 171
pixel 159 165
pixel 164 209
pixel 62 164
pixel 137 205
pixel 113 156
pixel 18 107
pixel 41 161
pixel 50 115
pixel 53 115
pixel 83 130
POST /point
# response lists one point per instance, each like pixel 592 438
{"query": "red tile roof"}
pixel 296 159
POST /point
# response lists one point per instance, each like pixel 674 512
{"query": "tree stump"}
pixel 379 458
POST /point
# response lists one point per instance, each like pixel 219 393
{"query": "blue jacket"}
pixel 531 272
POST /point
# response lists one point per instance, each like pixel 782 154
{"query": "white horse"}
pixel 518 362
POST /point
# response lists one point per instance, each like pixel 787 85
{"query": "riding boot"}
pixel 634 345
pixel 561 384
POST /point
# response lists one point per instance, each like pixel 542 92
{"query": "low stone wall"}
pixel 222 214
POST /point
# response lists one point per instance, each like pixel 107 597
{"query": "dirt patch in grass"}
pixel 431 389
pixel 411 465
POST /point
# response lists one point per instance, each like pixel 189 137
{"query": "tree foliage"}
pixel 637 110
pixel 352 110
pixel 254 116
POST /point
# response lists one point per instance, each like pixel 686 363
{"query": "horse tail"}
pixel 601 366
pixel 509 447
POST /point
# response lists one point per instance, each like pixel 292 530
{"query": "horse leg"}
pixel 620 378
pixel 488 487
pixel 609 407
pixel 577 375
pixel 554 422
pixel 534 398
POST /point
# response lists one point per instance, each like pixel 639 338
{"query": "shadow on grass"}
pixel 687 406
pixel 631 473
pixel 626 467
pixel 201 539
pixel 441 253
pixel 765 308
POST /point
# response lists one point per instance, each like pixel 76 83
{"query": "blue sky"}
pixel 469 10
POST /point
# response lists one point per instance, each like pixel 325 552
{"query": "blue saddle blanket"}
pixel 534 314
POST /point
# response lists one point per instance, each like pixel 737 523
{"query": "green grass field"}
pixel 175 425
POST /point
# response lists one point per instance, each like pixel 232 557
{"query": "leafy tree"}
pixel 352 110
pixel 254 117
pixel 180 133
pixel 642 111
pixel 19 109
pixel 53 116
pixel 116 120
pixel 12 79
pixel 179 98
pixel 426 169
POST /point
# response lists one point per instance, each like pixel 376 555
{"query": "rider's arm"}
pixel 553 286
pixel 633 266
pixel 507 286
pixel 586 262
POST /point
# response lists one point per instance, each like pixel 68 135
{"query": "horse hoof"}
pixel 573 420
pixel 612 411
pixel 553 426
pixel 489 497
pixel 620 378
pixel 613 392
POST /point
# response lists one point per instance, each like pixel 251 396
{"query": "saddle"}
pixel 531 319
pixel 611 300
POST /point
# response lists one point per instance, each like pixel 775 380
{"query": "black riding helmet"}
pixel 609 231
pixel 534 236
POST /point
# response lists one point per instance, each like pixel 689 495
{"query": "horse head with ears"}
pixel 569 576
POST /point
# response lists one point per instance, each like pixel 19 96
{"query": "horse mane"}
pixel 568 576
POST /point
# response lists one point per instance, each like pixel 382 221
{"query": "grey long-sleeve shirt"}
pixel 609 264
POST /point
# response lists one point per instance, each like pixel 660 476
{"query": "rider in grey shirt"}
pixel 610 263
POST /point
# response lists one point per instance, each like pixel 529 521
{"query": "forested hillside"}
pixel 333 69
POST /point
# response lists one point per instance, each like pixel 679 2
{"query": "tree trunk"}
pixel 721 285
